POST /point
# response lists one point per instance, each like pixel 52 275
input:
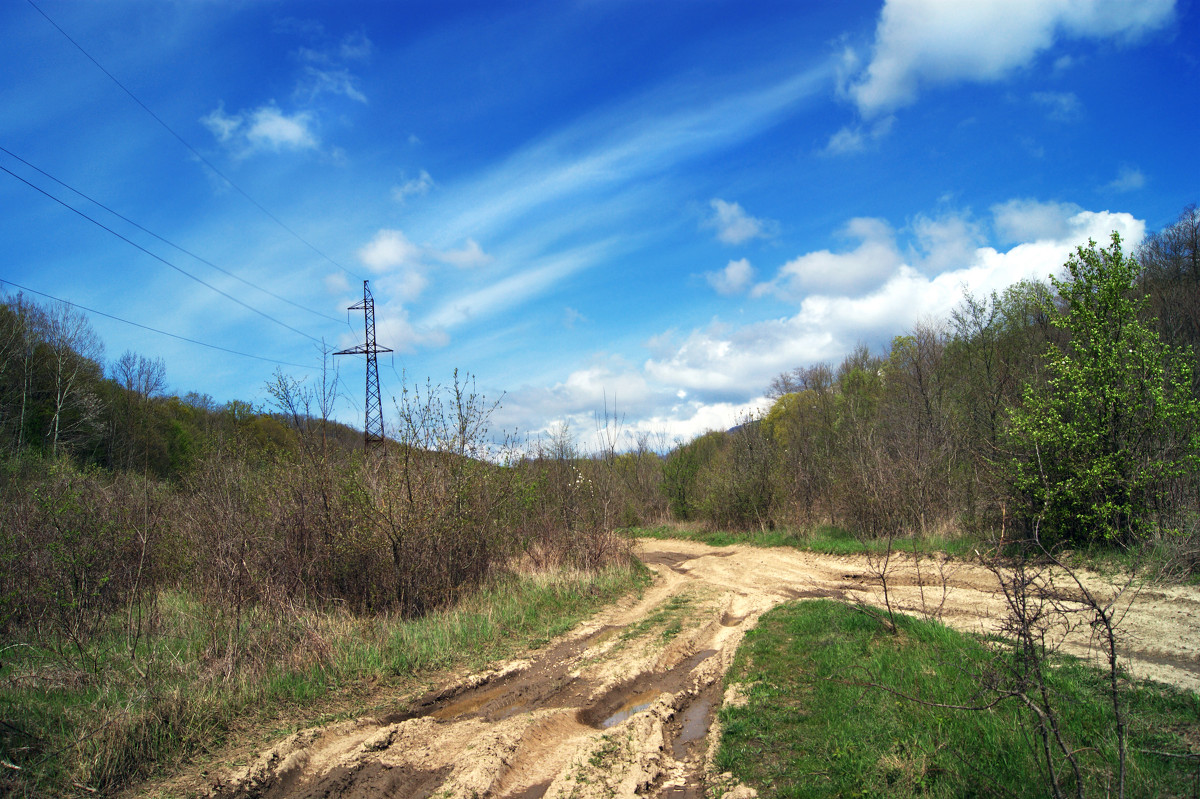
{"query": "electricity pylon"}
pixel 373 427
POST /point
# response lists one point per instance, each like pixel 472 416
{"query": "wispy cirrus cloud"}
pixel 620 147
pixel 606 163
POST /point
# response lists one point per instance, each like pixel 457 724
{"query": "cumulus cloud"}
pixel 945 242
pixel 404 269
pixel 724 363
pixel 875 257
pixel 389 249
pixel 735 278
pixel 1031 220
pixel 930 42
pixel 413 187
pixel 734 225
pixel 703 379
pixel 266 128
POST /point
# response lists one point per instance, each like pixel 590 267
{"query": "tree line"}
pixel 1068 405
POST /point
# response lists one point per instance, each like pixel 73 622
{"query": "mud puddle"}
pixel 624 706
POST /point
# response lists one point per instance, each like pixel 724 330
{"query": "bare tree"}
pixel 145 377
pixel 74 351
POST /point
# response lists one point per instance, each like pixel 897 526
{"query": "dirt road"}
pixel 622 706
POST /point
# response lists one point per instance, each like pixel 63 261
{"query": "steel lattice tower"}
pixel 373 426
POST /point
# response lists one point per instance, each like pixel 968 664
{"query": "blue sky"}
pixel 654 206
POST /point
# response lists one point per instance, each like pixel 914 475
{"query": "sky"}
pixel 642 208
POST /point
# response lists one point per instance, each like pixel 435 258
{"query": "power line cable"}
pixel 157 257
pixel 153 329
pixel 183 250
pixel 189 147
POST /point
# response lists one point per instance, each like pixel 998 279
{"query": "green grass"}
pixel 811 729
pixel 65 728
pixel 665 620
pixel 825 539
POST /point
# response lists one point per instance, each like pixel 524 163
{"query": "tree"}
pixel 1115 424
pixel 136 373
pixel 74 350
pixel 1170 261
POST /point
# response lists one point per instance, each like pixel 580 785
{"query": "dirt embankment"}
pixel 623 705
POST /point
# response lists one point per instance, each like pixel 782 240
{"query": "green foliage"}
pixel 1115 425
pixel 681 470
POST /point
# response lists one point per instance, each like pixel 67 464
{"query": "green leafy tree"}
pixel 1114 427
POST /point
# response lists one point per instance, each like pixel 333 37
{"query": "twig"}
pixel 1180 755
pixel 919 701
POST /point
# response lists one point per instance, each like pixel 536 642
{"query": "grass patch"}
pixel 809 728
pixel 665 620
pixel 825 539
pixel 102 720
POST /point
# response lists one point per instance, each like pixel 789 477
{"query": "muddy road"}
pixel 622 706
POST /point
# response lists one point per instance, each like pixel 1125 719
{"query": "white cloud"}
pixel 414 187
pixel 516 288
pixel 404 267
pixel 702 379
pixel 389 249
pixel 266 128
pixel 733 279
pixel 572 317
pixel 723 363
pixel 270 128
pixel 355 47
pixel 336 283
pixel 222 125
pixel 1128 179
pixel 471 255
pixel 1060 106
pixel 871 261
pixel 945 242
pixel 856 138
pixel 930 42
pixel 394 329
pixel 1031 220
pixel 734 225
pixel 329 81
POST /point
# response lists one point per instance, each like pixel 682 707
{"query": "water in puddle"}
pixel 695 660
pixel 692 727
pixel 635 704
pixel 471 703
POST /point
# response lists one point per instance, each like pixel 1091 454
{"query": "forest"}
pixel 1067 410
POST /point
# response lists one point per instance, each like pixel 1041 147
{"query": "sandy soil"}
pixel 623 706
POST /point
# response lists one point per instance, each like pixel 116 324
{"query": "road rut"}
pixel 623 705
